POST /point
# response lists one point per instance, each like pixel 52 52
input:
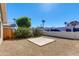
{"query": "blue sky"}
pixel 54 14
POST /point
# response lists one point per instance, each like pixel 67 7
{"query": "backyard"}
pixel 27 48
pixel 28 32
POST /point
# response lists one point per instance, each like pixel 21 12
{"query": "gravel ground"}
pixel 61 47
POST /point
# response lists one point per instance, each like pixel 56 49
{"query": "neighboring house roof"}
pixel 13 25
pixel 72 23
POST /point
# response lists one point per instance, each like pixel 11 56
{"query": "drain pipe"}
pixel 1 39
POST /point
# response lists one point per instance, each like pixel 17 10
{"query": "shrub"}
pixel 26 33
pixel 75 29
pixel 37 32
pixel 57 30
pixel 68 30
pixel 23 33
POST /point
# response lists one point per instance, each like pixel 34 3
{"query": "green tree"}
pixel 65 23
pixel 43 22
pixel 23 22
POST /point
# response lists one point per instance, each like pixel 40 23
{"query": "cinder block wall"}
pixel 71 35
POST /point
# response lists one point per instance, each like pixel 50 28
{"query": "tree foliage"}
pixel 24 22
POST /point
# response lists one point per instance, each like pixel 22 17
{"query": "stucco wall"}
pixel 3 12
pixel 72 35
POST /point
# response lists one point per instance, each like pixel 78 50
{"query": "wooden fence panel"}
pixel 7 33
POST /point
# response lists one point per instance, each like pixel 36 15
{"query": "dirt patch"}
pixel 24 47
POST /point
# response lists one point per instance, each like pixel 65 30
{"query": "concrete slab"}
pixel 40 41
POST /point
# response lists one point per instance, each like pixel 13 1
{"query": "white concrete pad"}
pixel 41 40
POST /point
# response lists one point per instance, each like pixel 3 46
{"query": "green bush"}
pixel 27 33
pixel 23 33
pixel 37 32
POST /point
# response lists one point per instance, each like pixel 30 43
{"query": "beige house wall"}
pixel 3 12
